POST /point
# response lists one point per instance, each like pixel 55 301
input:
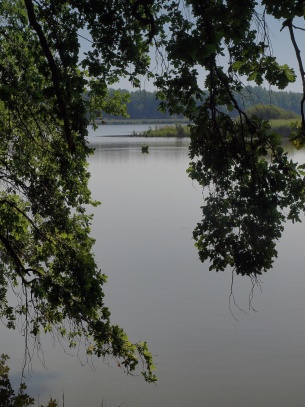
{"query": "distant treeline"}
pixel 257 95
pixel 144 105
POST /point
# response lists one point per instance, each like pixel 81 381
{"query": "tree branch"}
pixel 54 71
pixel 20 269
pixel 288 23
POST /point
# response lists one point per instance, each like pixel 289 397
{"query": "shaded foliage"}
pixel 250 185
pixel 45 245
pixel 243 212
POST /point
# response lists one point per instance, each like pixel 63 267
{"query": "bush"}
pixel 282 127
pixel 269 112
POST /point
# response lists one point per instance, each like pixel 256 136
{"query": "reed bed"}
pixel 177 130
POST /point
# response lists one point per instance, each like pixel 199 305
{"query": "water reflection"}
pixel 160 292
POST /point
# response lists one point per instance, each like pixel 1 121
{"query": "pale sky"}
pixel 282 49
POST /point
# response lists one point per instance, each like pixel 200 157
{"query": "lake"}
pixel 208 351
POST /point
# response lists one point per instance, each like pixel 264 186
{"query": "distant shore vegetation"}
pixel 281 120
pixel 283 126
pixel 279 108
pixel 280 126
pixel 142 121
pixel 143 105
pixel 177 130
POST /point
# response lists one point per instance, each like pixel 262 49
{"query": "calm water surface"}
pixel 160 292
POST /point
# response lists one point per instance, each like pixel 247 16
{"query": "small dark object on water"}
pixel 145 149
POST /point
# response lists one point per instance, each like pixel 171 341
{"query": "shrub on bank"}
pixel 281 126
pixel 270 112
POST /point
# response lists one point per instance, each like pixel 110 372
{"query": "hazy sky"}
pixel 284 51
pixel 281 46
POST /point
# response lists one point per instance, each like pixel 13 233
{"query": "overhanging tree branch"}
pixel 288 23
pixel 54 71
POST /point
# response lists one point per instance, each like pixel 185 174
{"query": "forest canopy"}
pixel 50 90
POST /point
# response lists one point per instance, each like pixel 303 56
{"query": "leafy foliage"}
pixel 48 95
pixel 251 186
pixel 47 98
